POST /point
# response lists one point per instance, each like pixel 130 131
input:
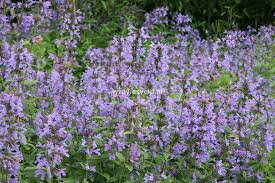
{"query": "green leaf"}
pixel 30 168
pixel 245 12
pixel 69 180
pixel 106 175
pixel 99 117
pixel 104 5
pixel 160 159
pixel 128 132
pixel 238 1
pixel 120 156
pixel 129 167
pixel 25 42
pixel 166 156
pixel 29 82
pixel 224 80
pixel 175 95
pixel 85 181
pixel 98 142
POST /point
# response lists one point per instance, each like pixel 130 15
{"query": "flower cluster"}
pixel 12 136
pixel 215 113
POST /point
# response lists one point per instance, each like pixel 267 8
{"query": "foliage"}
pixel 216 16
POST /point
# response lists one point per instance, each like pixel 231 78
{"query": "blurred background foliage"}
pixel 112 17
pixel 220 15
